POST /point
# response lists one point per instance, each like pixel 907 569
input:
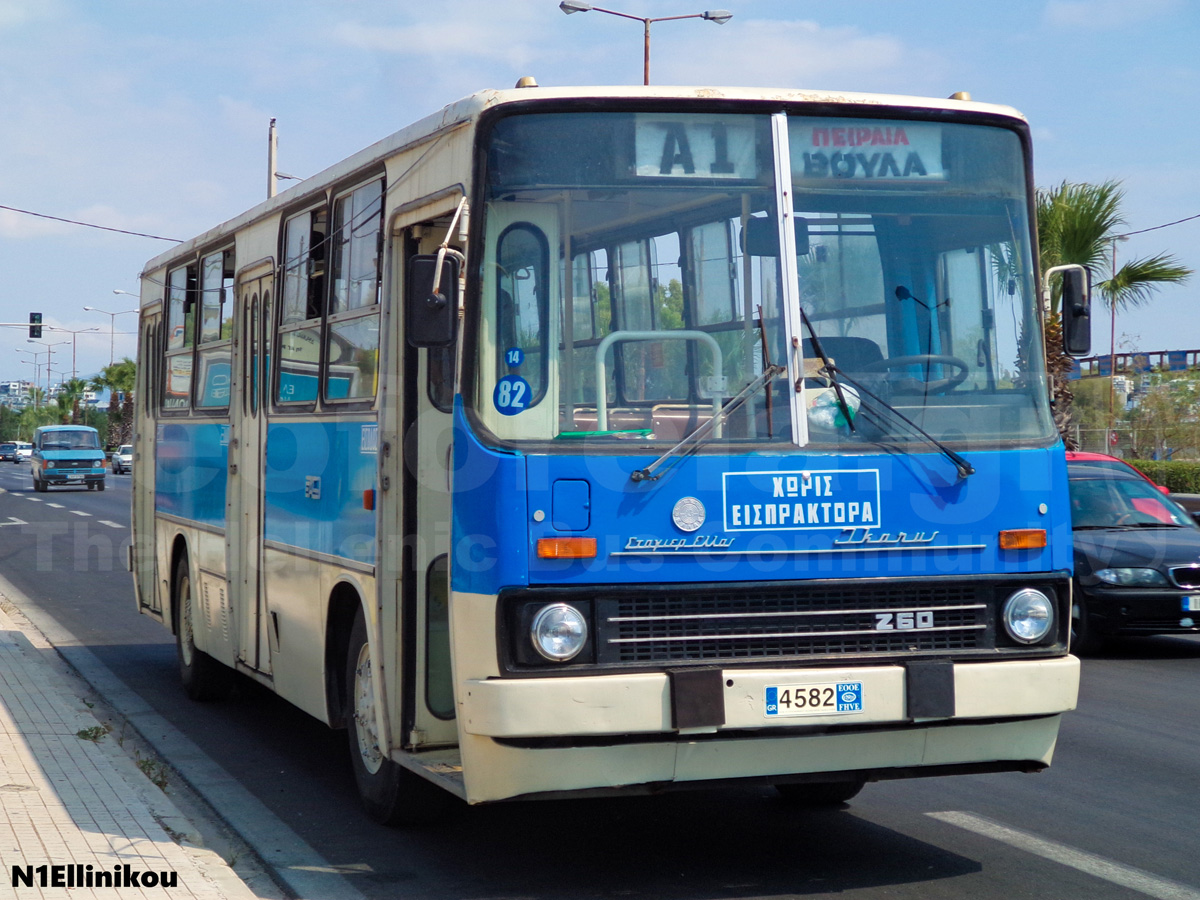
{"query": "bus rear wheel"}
pixel 391 794
pixel 203 677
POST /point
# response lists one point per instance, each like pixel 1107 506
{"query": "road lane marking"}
pixel 111 524
pixel 1088 863
pixel 34 499
pixel 13 520
pixel 80 512
pixel 55 505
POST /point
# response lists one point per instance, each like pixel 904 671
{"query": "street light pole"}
pixel 37 371
pixel 74 343
pixel 112 324
pixel 49 356
pixel 720 16
pixel 1109 443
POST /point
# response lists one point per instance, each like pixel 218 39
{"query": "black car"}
pixel 1137 560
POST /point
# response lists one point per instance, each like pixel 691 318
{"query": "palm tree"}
pixel 1078 223
pixel 72 390
pixel 118 379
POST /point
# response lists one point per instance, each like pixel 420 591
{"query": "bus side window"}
pixel 649 297
pixel 301 304
pixel 523 258
pixel 352 350
pixel 181 336
pixel 215 363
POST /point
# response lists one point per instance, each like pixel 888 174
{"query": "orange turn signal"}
pixel 566 548
pixel 1023 539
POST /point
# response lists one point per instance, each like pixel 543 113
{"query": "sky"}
pixel 151 116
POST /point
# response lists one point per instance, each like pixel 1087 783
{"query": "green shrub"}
pixel 1180 477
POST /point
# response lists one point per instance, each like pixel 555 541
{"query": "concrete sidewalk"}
pixel 77 814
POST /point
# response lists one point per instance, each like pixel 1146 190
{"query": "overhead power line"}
pixel 26 212
pixel 1157 227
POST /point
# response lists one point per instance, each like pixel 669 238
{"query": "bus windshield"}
pixel 637 275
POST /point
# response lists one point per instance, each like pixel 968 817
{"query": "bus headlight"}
pixel 1028 616
pixel 558 632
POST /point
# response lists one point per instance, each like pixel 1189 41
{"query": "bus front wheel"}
pixel 203 677
pixel 815 794
pixel 391 794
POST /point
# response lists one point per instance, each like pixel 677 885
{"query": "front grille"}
pixel 793 620
pixel 74 464
pixel 1186 577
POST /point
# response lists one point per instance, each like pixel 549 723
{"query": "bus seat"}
pixel 620 418
pixel 850 354
pixel 670 422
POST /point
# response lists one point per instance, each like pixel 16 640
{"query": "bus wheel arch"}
pixel 345 605
pixel 391 794
pixel 202 676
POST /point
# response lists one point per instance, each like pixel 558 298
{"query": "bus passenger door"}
pixel 151 348
pixel 428 379
pixel 243 533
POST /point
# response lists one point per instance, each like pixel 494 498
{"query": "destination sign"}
pixel 801 501
pixel 866 150
pixel 695 146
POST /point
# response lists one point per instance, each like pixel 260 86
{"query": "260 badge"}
pixel 831 699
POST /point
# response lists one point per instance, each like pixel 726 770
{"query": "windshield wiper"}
pixel 964 468
pixel 829 369
pixel 689 443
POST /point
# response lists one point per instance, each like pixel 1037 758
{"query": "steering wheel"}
pixel 934 386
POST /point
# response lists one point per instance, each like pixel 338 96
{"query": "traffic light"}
pixel 35 325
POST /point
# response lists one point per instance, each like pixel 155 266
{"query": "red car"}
pixel 1101 461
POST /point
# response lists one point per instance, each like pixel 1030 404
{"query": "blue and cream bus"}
pixel 573 441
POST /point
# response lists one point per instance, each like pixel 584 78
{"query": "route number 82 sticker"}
pixel 512 395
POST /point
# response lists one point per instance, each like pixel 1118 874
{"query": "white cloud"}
pixel 20 226
pixel 14 13
pixel 780 54
pixel 1104 15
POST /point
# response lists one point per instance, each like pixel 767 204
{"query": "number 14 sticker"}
pixel 511 396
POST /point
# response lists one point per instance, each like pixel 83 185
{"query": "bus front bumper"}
pixel 550 737
pixel 643 703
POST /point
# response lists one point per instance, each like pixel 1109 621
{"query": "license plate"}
pixel 832 699
pixel 75 476
pixel 1191 603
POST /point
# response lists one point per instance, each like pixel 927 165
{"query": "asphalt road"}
pixel 1115 817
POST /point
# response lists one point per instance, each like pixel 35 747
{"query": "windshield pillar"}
pixel 789 278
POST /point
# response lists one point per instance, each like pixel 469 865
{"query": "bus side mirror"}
pixel 432 318
pixel 1076 311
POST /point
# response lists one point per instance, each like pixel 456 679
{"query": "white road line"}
pixel 1088 863
pixel 34 499
pixel 111 524
pixel 79 512
pixel 13 520
pixel 56 505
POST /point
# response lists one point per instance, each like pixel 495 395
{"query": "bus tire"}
pixel 817 793
pixel 391 795
pixel 203 677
